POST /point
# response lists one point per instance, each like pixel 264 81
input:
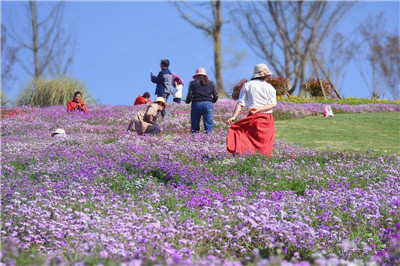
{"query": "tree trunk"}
pixel 35 49
pixel 217 49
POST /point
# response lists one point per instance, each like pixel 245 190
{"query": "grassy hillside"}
pixel 356 132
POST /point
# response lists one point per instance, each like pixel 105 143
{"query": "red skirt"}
pixel 251 134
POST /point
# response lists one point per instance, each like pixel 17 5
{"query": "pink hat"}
pixel 200 72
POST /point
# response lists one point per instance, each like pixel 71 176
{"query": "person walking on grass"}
pixel 202 94
pixel 256 132
pixel 144 121
pixel 163 81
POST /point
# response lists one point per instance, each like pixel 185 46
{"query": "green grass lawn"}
pixel 356 132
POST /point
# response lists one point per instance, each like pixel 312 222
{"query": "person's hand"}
pixel 253 110
pixel 230 120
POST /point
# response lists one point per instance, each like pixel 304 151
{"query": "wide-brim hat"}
pixel 58 131
pixel 200 72
pixel 161 100
pixel 261 70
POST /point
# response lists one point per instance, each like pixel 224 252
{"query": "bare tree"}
pixel 44 41
pixel 383 53
pixel 8 60
pixel 288 34
pixel 211 26
pixel 390 65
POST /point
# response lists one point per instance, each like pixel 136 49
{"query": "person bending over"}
pixel 144 121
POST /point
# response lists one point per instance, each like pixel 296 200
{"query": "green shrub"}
pixel 236 89
pixel 48 92
pixel 3 99
pixel 314 88
pixel 280 84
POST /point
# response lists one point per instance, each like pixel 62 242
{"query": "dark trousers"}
pixel 165 111
pixel 177 100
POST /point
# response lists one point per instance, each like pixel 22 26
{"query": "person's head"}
pixel 146 95
pixel 161 103
pixel 176 80
pixel 77 96
pixel 164 63
pixel 261 71
pixel 201 75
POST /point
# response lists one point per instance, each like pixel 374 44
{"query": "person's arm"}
pixel 214 94
pixel 151 112
pixel 158 79
pixel 179 87
pixel 236 112
pixel 266 107
pixel 137 101
pixel 71 106
pixel 176 87
pixel 189 95
pixel 83 106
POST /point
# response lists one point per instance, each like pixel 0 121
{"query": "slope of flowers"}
pixel 105 195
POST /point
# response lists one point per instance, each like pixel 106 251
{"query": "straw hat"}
pixel 261 70
pixel 200 72
pixel 57 131
pixel 161 100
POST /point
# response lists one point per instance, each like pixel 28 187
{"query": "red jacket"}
pixel 141 100
pixel 72 106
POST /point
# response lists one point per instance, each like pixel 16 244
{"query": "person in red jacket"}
pixel 143 99
pixel 76 104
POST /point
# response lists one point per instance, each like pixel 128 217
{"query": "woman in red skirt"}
pixel 256 132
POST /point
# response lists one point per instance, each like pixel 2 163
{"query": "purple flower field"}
pixel 103 195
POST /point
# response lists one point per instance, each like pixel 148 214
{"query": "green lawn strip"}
pixel 379 131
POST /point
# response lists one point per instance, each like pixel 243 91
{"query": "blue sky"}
pixel 119 43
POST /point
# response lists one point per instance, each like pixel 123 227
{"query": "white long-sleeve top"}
pixel 177 91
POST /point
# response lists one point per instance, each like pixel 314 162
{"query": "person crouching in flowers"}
pixel 76 104
pixel 144 121
pixel 256 132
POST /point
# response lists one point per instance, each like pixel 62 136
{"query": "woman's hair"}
pixel 203 79
pixel 146 95
pixel 176 79
pixel 76 93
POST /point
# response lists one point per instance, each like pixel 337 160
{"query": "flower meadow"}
pixel 103 195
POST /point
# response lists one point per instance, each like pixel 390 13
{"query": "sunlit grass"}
pixel 356 132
